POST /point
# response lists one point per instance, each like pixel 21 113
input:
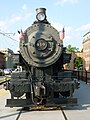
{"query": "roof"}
pixel 86 34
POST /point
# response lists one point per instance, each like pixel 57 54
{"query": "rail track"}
pixel 64 115
pixel 42 109
pixel 17 118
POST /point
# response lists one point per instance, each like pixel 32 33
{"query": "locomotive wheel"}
pixel 65 94
pixel 28 95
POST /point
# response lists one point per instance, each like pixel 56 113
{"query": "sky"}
pixel 15 15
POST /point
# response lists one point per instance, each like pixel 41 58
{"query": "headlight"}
pixel 40 16
pixel 41 44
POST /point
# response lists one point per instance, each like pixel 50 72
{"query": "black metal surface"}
pixel 52 103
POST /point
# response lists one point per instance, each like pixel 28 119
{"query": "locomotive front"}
pixel 41 46
pixel 43 80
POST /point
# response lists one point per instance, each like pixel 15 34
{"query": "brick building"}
pixel 2 60
pixel 86 50
pixel 73 57
pixel 8 57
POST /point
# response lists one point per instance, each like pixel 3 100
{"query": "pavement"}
pixel 2 77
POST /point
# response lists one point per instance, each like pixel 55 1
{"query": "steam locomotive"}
pixel 43 80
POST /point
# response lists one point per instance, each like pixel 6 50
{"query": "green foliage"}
pixel 2 67
pixel 68 66
pixel 78 63
pixel 69 48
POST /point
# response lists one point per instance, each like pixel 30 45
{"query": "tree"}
pixel 78 63
pixel 69 48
